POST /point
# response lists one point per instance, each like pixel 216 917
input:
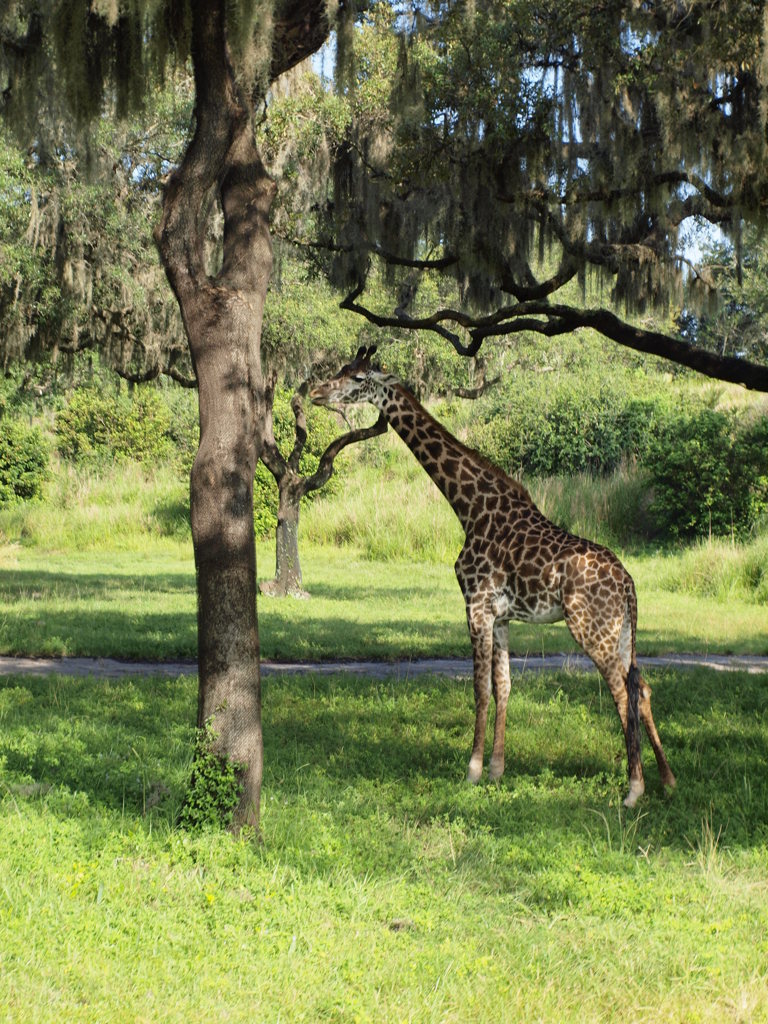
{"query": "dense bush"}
pixel 706 470
pixel 99 426
pixel 23 462
pixel 567 427
pixel 709 474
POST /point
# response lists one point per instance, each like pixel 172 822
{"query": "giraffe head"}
pixel 358 381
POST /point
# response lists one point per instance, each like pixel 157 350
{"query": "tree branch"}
pixel 535 289
pixel 560 319
pixel 300 29
pixel 462 392
pixel 439 263
pixel 324 470
pixel 271 455
pixel 297 407
pixel 185 382
pixel 728 368
pixel 564 319
pixel 432 323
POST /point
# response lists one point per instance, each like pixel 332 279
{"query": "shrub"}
pixel 567 427
pixel 709 474
pixel 23 462
pixel 95 426
pixel 215 787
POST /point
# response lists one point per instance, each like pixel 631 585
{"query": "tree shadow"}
pixel 97 615
pixel 403 744
pixel 714 745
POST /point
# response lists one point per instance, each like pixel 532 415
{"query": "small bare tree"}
pixel 293 486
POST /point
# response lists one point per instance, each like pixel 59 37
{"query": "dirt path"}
pixel 110 668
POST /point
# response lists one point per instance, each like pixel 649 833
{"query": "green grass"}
pixel 141 605
pixel 385 888
pixel 120 508
pixel 104 567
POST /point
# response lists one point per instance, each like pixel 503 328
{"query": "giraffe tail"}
pixel 633 716
pixel 633 686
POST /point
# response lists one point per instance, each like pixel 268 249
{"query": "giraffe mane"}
pixel 477 456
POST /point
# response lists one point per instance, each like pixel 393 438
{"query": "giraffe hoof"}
pixel 495 772
pixel 669 782
pixel 474 773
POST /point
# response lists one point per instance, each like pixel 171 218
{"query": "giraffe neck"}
pixel 462 475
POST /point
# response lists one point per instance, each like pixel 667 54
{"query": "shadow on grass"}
pixel 152 615
pixel 90 614
pixel 24 583
pixel 345 747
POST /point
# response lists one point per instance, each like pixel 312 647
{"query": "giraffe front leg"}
pixel 481 633
pixel 501 688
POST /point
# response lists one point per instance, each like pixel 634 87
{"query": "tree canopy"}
pixel 79 266
pixel 516 146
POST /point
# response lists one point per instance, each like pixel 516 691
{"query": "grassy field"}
pixel 104 567
pixel 141 604
pixel 386 889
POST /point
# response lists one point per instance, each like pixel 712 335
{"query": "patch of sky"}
pixel 323 61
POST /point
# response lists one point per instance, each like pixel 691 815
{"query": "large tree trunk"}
pixel 223 319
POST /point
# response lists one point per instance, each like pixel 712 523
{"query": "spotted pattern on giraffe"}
pixel 516 565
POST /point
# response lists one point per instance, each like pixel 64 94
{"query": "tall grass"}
pixel 120 507
pixel 389 511
pixel 389 508
pixel 609 510
pixel 720 569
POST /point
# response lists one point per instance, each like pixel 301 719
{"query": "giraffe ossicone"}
pixel 516 565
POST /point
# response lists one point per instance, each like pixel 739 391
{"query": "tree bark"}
pixel 223 320
pixel 288 580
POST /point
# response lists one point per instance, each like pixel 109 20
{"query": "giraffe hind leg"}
pixel 608 642
pixel 635 680
pixel 667 778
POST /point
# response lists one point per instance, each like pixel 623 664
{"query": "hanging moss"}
pixel 508 130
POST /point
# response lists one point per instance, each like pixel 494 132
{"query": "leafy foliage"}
pixel 98 426
pixel 739 325
pixel 23 462
pixel 78 267
pixel 215 786
pixel 550 424
pixel 709 473
pixel 514 148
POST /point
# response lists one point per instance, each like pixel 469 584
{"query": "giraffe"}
pixel 516 564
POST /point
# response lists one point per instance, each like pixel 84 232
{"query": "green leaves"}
pixel 215 786
pixel 709 473
pixel 99 427
pixel 23 462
